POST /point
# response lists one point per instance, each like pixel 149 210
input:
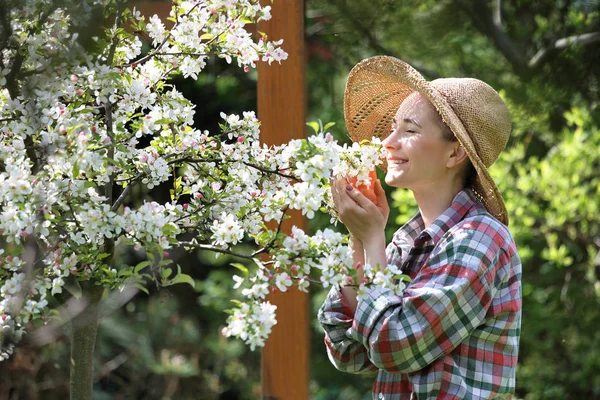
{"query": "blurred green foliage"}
pixel 168 345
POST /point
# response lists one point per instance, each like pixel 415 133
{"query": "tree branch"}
pixel 376 45
pixel 560 44
pixel 125 192
pixel 216 250
pixel 484 20
pixel 498 13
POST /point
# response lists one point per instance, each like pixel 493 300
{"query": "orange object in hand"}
pixel 367 191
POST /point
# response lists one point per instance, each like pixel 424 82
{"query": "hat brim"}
pixel 375 89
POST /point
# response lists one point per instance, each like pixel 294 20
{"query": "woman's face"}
pixel 417 152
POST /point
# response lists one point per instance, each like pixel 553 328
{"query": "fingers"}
pixel 380 194
pixel 359 198
pixel 337 190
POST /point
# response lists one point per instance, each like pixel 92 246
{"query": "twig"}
pixel 165 40
pixel 582 40
pixel 272 241
pixel 125 192
pixel 216 250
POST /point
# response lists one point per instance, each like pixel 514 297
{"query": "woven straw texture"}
pixel 472 109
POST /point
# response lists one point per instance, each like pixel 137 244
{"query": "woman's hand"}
pixel 363 219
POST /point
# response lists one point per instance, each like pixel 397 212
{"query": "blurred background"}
pixel 542 56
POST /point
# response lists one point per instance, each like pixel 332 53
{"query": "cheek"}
pixel 427 147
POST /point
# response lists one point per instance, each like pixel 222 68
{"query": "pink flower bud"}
pixel 294 268
pixel 358 265
pixel 23 234
pixel 166 253
pixel 275 290
pixel 185 206
pixel 79 92
pixel 349 279
pixel 199 196
pixel 328 137
pixel 240 139
pixel 246 69
pixel 93 128
pixel 74 78
pixel 9 258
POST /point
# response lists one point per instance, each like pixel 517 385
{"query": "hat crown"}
pixel 482 112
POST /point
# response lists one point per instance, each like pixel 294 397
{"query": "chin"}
pixel 394 181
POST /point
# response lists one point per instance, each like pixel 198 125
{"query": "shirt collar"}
pixel 462 203
pixel 414 231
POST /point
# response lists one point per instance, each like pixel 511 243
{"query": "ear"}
pixel 458 155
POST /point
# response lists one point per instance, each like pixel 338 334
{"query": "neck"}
pixel 435 199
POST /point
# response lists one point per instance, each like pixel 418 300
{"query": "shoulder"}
pixel 483 227
pixel 479 238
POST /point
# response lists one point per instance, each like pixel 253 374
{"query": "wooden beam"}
pixel 282 111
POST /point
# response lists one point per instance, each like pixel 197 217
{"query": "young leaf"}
pixel 241 267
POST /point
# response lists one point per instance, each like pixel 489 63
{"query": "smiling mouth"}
pixel 396 161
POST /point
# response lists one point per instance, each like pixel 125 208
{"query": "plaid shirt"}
pixel 454 334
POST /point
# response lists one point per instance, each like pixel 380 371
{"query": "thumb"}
pixel 380 193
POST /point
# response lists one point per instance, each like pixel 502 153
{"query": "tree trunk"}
pixel 83 340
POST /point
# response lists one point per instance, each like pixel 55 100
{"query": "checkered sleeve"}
pixel 445 302
pixel 345 353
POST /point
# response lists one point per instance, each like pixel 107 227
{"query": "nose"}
pixel 391 142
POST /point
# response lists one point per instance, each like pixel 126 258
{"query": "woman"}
pixel 454 333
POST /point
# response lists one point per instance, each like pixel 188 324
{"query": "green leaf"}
pixel 184 278
pixel 141 266
pixel 142 288
pixel 241 267
pixel 328 125
pixel 75 170
pixel 314 125
pixel 165 273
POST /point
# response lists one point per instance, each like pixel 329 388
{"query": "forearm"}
pixel 336 319
pixel 374 250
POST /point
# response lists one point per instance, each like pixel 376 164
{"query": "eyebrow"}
pixel 413 121
pixel 409 120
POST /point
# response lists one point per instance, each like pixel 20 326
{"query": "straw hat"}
pixel 472 109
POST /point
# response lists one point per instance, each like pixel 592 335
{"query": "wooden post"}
pixel 282 112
